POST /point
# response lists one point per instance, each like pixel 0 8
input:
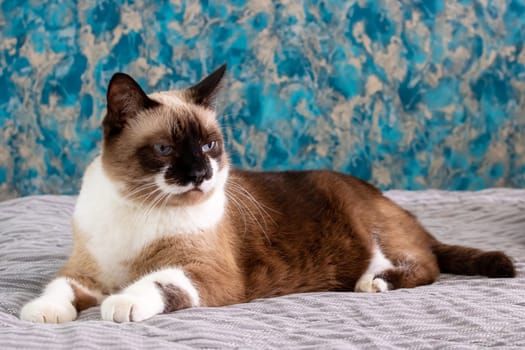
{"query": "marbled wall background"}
pixel 407 94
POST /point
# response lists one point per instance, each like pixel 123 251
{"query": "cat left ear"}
pixel 125 98
pixel 205 92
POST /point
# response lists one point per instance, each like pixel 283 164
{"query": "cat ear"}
pixel 125 99
pixel 205 92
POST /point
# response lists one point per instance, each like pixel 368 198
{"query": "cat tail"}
pixel 461 260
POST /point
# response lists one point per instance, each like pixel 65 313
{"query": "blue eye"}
pixel 209 146
pixel 163 150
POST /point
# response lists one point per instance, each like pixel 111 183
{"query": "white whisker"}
pixel 260 218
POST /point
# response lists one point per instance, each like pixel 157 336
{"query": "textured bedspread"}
pixel 456 312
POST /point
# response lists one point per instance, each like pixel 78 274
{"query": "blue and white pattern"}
pixel 407 94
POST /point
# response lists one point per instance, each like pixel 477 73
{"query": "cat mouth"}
pixel 195 189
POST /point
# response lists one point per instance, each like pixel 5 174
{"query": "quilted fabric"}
pixel 456 312
pixel 407 94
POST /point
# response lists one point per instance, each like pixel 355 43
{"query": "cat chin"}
pixel 189 198
pixel 188 191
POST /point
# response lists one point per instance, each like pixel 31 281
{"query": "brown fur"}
pixel 209 260
pixel 314 238
pixel 471 261
pixel 282 233
pixel 82 268
pixel 174 297
pixel 323 237
pixel 82 299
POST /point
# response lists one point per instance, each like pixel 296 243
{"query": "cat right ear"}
pixel 205 92
pixel 125 99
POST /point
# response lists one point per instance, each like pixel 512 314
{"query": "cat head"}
pixel 165 148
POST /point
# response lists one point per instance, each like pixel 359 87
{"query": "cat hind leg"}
pixel 371 284
pixel 370 281
pixel 410 275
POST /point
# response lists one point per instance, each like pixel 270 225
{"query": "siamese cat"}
pixel 163 222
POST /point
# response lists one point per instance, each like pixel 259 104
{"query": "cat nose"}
pixel 197 176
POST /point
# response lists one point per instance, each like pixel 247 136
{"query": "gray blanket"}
pixel 456 312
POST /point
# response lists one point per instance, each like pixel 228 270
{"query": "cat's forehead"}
pixel 175 101
pixel 173 112
pixel 172 99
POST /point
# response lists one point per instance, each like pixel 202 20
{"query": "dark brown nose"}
pixel 197 176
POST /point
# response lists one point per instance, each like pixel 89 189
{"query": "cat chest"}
pixel 124 243
pixel 116 240
pixel 115 249
pixel 116 233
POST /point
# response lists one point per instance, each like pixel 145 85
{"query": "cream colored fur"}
pixel 117 229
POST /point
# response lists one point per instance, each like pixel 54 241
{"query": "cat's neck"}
pixel 100 194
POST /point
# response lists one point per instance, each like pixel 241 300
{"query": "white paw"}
pixel 47 310
pixel 369 284
pixel 127 308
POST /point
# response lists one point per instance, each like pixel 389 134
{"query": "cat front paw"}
pixel 47 310
pixel 127 308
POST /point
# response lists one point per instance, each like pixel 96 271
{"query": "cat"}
pixel 163 222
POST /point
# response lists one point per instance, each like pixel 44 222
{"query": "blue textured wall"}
pixel 406 94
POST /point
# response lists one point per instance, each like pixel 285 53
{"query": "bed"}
pixel 456 312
